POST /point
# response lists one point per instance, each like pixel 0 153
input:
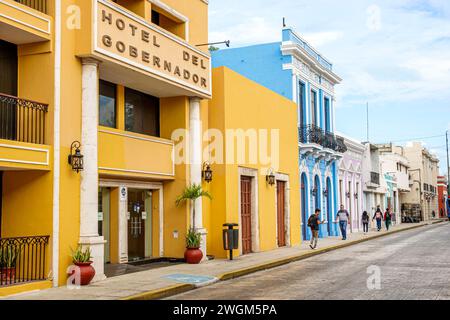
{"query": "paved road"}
pixel 413 265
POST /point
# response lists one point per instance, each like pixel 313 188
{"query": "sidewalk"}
pixel 167 281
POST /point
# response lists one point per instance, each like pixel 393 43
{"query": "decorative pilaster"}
pixel 89 176
pixel 195 157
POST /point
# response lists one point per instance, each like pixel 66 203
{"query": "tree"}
pixel 192 193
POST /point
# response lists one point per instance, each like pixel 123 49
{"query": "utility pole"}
pixel 367 114
pixel 448 166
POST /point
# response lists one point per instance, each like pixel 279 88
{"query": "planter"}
pixel 193 255
pixel 8 275
pixel 87 272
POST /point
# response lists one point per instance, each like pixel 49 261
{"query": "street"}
pixel 414 264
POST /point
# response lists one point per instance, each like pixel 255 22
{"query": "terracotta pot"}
pixel 87 272
pixel 193 255
pixel 8 275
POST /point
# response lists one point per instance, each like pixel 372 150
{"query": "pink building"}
pixel 351 182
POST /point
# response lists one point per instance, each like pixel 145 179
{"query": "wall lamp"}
pixel 348 194
pixel 325 193
pixel 75 157
pixel 207 173
pixel 356 196
pixel 314 192
pixel 270 177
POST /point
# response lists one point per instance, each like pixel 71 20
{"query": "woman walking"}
pixel 379 217
pixel 387 218
pixel 365 221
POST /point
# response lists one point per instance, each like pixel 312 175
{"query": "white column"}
pixel 123 224
pixel 195 156
pixel 89 176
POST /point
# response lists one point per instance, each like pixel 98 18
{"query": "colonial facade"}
pixel 395 168
pixel 442 196
pixel 125 85
pixel 351 185
pixel 374 191
pixel 297 71
pixel 423 172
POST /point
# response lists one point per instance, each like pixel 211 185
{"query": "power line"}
pixel 421 138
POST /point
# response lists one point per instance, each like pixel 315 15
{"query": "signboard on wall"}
pixel 130 39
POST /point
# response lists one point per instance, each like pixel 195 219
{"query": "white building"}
pixel 395 164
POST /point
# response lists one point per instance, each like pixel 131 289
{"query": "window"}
pixel 327 115
pixel 302 105
pixel 313 107
pixel 141 113
pixel 155 17
pixel 107 104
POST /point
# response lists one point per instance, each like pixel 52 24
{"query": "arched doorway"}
pixel 304 206
pixel 329 207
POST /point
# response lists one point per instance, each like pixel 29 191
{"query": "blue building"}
pixel 297 71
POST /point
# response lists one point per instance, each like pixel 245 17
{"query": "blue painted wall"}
pixel 260 63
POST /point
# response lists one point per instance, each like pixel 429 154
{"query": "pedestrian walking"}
pixel 379 217
pixel 343 217
pixel 365 222
pixel 313 223
pixel 387 218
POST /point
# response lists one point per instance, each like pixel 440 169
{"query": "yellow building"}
pixel 263 125
pixel 127 85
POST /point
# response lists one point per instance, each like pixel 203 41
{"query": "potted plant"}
pixel 83 260
pixel 193 254
pixel 8 258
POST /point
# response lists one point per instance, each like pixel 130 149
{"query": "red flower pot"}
pixel 8 275
pixel 87 272
pixel 193 255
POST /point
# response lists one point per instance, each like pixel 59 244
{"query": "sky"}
pixel 392 54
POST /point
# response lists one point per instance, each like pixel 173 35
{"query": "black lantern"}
pixel 325 193
pixel 207 172
pixel 270 177
pixel 314 192
pixel 76 158
pixel 348 194
pixel 356 195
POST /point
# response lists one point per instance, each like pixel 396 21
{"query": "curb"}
pixel 161 293
pixel 177 289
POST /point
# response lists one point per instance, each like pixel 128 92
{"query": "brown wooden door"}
pixel 136 225
pixel 246 214
pixel 281 215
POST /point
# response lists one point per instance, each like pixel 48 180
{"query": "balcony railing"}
pixel 22 259
pixel 375 177
pixel 40 5
pixel 316 135
pixel 22 120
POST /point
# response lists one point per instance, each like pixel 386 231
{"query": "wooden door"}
pixel 281 214
pixel 136 225
pixel 246 214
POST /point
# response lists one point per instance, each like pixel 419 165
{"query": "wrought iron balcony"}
pixel 375 177
pixel 311 134
pixel 314 134
pixel 22 120
pixel 40 5
pixel 23 259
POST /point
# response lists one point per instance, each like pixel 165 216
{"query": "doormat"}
pixel 191 279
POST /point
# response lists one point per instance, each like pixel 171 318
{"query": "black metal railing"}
pixel 22 120
pixel 375 177
pixel 40 5
pixel 315 134
pixel 23 259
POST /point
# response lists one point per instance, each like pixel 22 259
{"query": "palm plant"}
pixel 192 193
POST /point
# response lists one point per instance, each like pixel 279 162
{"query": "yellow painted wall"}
pixel 240 103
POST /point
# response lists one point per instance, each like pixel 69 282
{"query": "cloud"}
pixel 321 38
